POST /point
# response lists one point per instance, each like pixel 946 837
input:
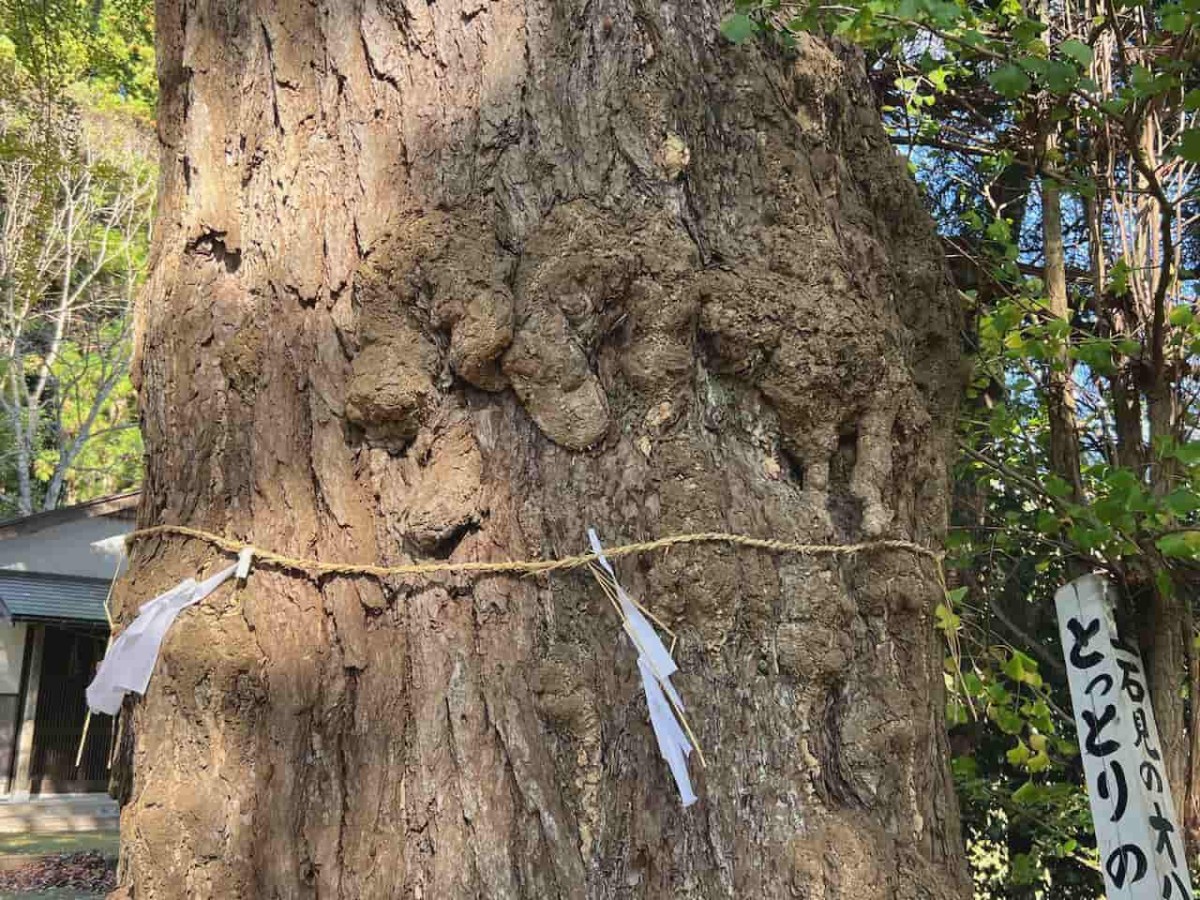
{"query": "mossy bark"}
pixel 459 280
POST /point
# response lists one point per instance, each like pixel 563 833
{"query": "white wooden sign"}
pixel 1138 834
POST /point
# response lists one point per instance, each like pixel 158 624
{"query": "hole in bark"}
pixel 444 547
pixel 847 451
pixel 795 468
pixel 845 510
pixel 212 244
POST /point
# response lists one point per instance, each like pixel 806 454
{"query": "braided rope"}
pixel 532 566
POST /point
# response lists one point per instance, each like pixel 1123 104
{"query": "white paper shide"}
pixel 1137 831
pixel 130 659
pixel 656 666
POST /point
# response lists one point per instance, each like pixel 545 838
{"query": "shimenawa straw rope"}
pixel 534 566
pixel 539 566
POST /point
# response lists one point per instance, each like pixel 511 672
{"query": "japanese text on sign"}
pixel 1137 831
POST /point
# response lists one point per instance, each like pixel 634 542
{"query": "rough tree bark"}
pixel 458 280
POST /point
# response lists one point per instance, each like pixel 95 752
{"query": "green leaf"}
pixel 1010 81
pixel 944 14
pixel 1039 762
pixel 1088 538
pixel 999 230
pixel 1019 754
pixel 1095 354
pixel 1060 77
pixel 1189 453
pixel 1182 501
pixel 1026 32
pixel 1078 51
pixel 1189 145
pixel 947 621
pixel 1057 487
pixel 1027 793
pixel 1144 82
pixel 1067 847
pixel 1181 545
pixel 1034 65
pixel 1119 275
pixel 1175 21
pixel 1024 869
pixel 1038 714
pixel 972 684
pixel 1181 315
pixel 738 28
pixel 964 767
pixel 1015 341
pixel 1115 107
pixel 1065 747
pixel 1006 720
pixel 1023 669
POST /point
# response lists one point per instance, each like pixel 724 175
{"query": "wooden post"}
pixel 1137 832
pixel 21 780
pixel 87 719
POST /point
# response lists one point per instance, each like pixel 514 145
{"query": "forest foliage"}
pixel 77 179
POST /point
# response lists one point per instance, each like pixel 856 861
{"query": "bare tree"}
pixel 75 204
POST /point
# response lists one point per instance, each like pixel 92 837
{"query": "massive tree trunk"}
pixel 458 280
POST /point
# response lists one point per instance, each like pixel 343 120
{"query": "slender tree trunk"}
pixel 458 280
pixel 1167 636
pixel 1060 390
pixel 24 464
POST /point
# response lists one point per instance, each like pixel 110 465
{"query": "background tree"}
pixel 76 192
pixel 1058 145
pixel 459 280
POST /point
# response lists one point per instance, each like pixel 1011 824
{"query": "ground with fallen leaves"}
pixel 90 872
